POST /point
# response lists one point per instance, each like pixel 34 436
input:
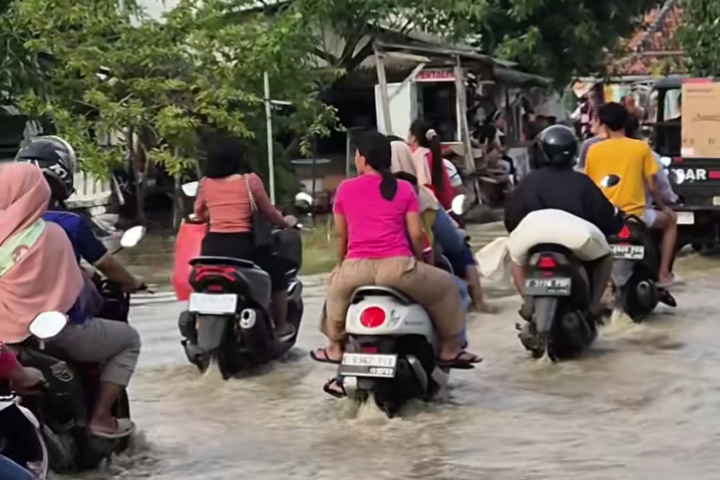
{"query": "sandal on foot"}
pixel 125 427
pixel 334 388
pixel 321 356
pixel 462 361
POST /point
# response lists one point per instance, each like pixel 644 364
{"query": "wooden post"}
pixel 460 97
pixel 384 96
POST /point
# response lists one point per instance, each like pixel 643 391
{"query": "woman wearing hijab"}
pixel 374 216
pixel 34 254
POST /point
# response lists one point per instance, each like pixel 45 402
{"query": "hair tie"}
pixel 431 134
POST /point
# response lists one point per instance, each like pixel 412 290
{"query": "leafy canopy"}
pixel 115 69
pixel 699 36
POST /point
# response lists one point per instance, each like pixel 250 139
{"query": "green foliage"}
pixel 559 38
pixel 340 28
pixel 699 36
pixel 115 70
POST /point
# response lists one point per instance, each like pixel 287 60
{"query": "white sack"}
pixel 581 237
pixel 494 261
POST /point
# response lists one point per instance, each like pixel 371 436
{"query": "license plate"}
pixel 213 304
pixel 368 365
pixel 628 252
pixel 554 286
pixel 685 218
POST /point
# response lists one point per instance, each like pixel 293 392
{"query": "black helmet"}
pixel 555 146
pixel 57 160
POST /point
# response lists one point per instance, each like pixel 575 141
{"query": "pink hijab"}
pixel 46 276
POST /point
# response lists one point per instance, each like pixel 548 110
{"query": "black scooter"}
pixel 228 321
pixel 63 408
pixel 636 249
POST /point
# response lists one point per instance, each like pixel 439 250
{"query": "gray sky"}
pixel 156 7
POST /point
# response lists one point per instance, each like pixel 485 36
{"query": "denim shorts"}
pixel 10 470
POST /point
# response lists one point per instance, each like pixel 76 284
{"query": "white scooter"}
pixel 390 349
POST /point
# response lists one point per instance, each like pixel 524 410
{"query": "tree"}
pixel 699 35
pixel 115 71
pixel 559 38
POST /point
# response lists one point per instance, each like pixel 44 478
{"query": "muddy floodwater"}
pixel 644 403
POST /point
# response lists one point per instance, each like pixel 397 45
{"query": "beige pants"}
pixel 431 287
pixel 116 344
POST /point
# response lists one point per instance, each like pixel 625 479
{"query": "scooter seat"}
pixel 375 290
pixel 229 261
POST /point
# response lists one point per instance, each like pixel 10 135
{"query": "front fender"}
pixel 622 271
pixel 544 309
pixel 211 331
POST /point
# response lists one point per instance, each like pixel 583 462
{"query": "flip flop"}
pixel 665 285
pixel 459 363
pixel 125 428
pixel 325 358
pixel 327 388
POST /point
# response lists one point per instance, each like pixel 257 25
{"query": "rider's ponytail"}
pixel 378 154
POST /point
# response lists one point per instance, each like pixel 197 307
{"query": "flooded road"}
pixel 644 403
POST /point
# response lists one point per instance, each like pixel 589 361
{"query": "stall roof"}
pixel 502 70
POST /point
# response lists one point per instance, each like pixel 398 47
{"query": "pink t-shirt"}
pixel 226 203
pixel 376 227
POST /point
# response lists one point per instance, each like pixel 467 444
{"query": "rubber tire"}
pixel 630 304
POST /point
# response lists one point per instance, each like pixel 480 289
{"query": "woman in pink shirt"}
pixel 224 200
pixel 374 215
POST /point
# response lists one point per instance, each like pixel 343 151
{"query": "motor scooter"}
pixel 391 348
pixel 228 321
pixel 63 408
pixel 636 249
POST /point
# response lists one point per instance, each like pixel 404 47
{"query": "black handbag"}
pixel 261 225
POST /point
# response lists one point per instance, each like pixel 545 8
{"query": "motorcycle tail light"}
pixel 624 233
pixel 547 263
pixel 372 317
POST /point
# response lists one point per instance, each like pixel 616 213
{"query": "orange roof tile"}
pixel 654 48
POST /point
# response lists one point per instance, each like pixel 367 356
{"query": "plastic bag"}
pixel 187 246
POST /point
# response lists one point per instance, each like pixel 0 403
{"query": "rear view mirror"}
pixel 132 236
pixel 610 181
pixel 303 200
pixel 48 324
pixel 457 205
pixel 191 189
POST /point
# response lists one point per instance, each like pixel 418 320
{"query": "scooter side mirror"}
pixel 48 324
pixel 457 206
pixel 132 236
pixel 191 189
pixel 303 200
pixel 610 181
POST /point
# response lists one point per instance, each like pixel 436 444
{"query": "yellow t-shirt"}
pixel 632 161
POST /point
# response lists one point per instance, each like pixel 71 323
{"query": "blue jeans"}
pixel 10 470
pixel 446 235
pixel 465 301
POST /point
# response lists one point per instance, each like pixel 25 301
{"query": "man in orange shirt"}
pixel 632 161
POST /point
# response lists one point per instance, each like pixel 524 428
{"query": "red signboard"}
pixel 435 75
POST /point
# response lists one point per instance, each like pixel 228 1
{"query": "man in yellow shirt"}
pixel 632 161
